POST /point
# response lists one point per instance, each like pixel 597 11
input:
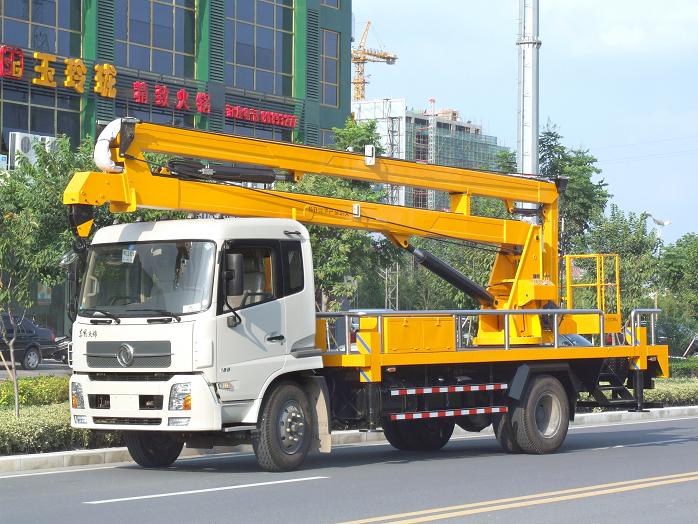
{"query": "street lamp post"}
pixel 661 224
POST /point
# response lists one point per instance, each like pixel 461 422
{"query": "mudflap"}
pixel 318 396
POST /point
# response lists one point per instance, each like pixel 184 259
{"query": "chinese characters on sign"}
pixel 11 62
pixel 75 77
pixel 257 115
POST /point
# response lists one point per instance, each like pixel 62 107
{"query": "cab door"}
pixel 251 345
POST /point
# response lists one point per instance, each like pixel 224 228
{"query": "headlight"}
pixel 180 397
pixel 76 398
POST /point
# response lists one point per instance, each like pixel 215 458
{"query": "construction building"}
pixel 430 136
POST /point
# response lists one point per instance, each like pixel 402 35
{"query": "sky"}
pixel 617 77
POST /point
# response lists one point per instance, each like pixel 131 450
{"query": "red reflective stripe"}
pixel 449 389
pixel 448 413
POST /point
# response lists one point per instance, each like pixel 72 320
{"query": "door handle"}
pixel 274 338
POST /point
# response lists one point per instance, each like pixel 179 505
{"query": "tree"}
pixel 637 246
pixel 678 291
pixel 342 257
pixel 356 135
pixel 33 233
pixel 583 200
pixel 505 161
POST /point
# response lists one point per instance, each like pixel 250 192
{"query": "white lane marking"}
pixel 639 444
pixel 208 490
pixel 235 454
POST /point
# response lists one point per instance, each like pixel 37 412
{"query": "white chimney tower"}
pixel 528 44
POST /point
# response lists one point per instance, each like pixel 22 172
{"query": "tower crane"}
pixel 359 56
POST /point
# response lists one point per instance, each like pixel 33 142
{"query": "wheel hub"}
pixel 548 415
pixel 291 426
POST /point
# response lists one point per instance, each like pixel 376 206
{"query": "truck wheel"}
pixel 504 432
pixel 283 435
pixel 542 417
pixel 427 435
pixel 393 434
pixel 474 423
pixel 31 359
pixel 152 449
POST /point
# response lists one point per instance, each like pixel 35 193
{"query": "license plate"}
pixel 124 402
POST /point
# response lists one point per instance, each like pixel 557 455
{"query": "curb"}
pixel 68 459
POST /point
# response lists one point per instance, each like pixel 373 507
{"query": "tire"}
pixel 284 431
pixel 504 432
pixel 152 449
pixel 32 359
pixel 393 434
pixel 474 423
pixel 541 419
pixel 425 435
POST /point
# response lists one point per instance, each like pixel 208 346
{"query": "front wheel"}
pixel 284 432
pixel 152 449
pixel 31 359
pixel 541 419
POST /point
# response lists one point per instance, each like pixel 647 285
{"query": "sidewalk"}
pixel 65 459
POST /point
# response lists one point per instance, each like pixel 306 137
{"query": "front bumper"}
pixel 127 410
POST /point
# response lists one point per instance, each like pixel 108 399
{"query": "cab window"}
pixel 258 278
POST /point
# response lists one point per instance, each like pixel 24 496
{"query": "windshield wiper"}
pixel 159 312
pixel 103 312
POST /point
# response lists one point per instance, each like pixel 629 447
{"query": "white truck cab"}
pixel 160 344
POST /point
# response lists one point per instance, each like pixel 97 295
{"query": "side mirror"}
pixel 233 274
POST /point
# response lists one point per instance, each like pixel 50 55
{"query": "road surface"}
pixel 47 367
pixel 632 472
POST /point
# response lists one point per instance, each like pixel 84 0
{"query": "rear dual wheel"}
pixel 538 423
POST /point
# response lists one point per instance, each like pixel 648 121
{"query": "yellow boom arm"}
pixel 525 273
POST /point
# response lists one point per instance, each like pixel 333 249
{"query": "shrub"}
pixel 684 368
pixel 674 392
pixel 42 429
pixel 35 391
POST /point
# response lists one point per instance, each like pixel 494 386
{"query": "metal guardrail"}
pixel 506 313
pixel 636 318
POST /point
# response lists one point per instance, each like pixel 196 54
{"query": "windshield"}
pixel 148 278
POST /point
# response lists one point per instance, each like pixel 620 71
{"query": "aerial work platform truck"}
pixel 205 332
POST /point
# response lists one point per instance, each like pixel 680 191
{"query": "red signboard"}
pixel 251 114
pixel 11 62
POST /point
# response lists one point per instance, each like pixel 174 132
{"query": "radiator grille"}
pixel 128 421
pixel 162 361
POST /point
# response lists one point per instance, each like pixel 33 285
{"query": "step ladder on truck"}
pixel 204 331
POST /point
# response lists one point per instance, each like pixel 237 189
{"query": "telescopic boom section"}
pixel 525 270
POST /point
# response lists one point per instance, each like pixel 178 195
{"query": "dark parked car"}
pixel 31 344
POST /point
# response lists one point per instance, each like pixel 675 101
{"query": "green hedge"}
pixel 41 429
pixel 35 391
pixel 674 392
pixel 684 368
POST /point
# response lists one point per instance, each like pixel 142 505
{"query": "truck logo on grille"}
pixel 125 355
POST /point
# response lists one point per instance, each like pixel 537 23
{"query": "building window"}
pixel 49 26
pixel 155 35
pixel 259 45
pixel 331 3
pixel 37 110
pixel 327 138
pixel 329 67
